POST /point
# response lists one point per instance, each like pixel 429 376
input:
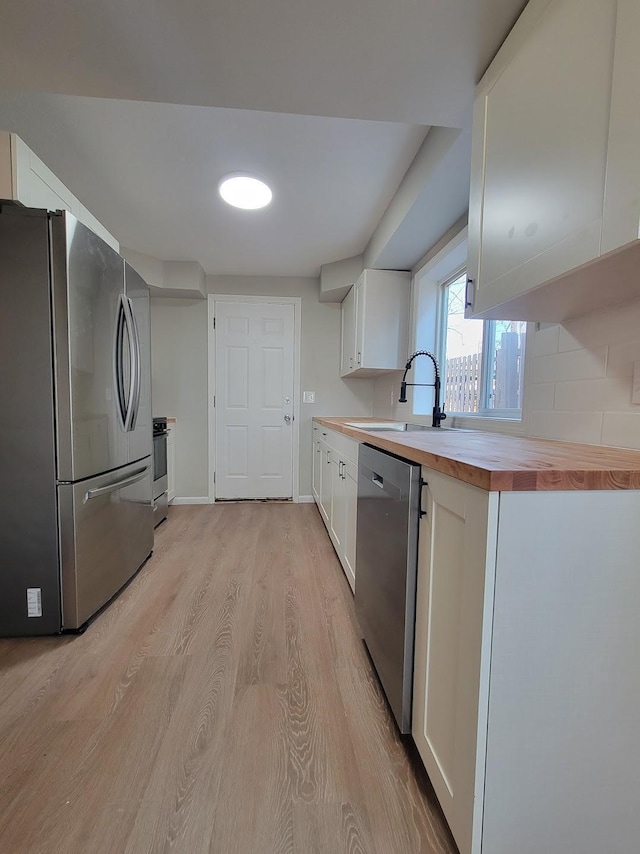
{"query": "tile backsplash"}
pixel 580 385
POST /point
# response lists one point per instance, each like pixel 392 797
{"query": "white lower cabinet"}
pixel 335 489
pixel 452 559
pixel 325 481
pixel 350 510
pixel 337 516
pixel 526 684
pixel 316 468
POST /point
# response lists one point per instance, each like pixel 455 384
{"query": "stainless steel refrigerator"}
pixel 76 518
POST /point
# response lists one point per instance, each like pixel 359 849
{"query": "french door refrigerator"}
pixel 76 518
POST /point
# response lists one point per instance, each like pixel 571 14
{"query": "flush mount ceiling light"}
pixel 244 191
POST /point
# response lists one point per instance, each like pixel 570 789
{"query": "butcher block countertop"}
pixel 502 463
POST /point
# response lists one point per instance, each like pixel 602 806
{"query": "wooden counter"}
pixel 498 462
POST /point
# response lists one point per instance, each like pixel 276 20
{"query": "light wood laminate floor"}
pixel 223 703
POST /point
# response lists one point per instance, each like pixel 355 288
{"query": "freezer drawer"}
pixel 106 530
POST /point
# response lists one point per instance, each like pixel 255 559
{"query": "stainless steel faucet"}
pixel 438 415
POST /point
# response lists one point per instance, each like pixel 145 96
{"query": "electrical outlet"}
pixel 308 397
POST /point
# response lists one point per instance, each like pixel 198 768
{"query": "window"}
pixel 482 361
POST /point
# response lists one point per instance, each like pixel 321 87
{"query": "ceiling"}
pixel 329 101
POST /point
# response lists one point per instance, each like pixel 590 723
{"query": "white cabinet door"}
pixel 325 481
pixel 361 307
pixel 382 331
pixel 348 359
pixel 454 548
pixel 622 195
pixel 335 489
pixel 337 518
pixel 351 512
pixel 541 126
pixel 316 465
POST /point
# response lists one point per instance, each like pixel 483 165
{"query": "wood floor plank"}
pixel 222 704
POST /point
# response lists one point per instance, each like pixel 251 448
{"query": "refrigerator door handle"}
pixel 118 364
pixel 119 484
pixel 134 349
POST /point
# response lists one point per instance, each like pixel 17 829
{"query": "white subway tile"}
pixel 621 429
pixel 566 426
pixel 546 340
pixel 571 365
pixel 568 341
pixel 382 392
pixel 604 327
pixel 621 358
pixel 602 395
pixel 540 396
pixel 382 412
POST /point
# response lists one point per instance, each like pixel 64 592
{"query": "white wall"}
pixel 179 365
pixel 179 384
pixel 581 379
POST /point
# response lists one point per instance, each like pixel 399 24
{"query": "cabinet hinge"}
pixel 214 478
pixel 214 323
pixel 214 401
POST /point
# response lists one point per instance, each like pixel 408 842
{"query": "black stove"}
pixel 159 426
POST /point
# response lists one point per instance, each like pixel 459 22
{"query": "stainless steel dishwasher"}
pixel 386 562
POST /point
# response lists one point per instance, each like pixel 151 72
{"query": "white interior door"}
pixel 254 360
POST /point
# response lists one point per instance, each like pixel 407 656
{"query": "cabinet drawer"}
pixel 347 448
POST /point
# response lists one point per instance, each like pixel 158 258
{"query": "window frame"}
pixel 488 346
pixel 444 260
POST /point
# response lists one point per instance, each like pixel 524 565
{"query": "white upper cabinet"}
pixel 375 324
pixel 622 193
pixel 555 181
pixel 25 179
pixel 348 359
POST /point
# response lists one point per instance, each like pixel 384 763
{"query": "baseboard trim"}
pixel 197 499
pixel 306 499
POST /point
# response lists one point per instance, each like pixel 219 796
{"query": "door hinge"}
pixel 214 478
pixel 214 401
pixel 214 323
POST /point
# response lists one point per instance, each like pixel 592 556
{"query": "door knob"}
pixel 287 418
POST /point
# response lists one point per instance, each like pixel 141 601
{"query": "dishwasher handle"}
pixel 377 479
pixel 423 483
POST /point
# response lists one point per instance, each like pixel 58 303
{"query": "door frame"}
pixel 296 302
